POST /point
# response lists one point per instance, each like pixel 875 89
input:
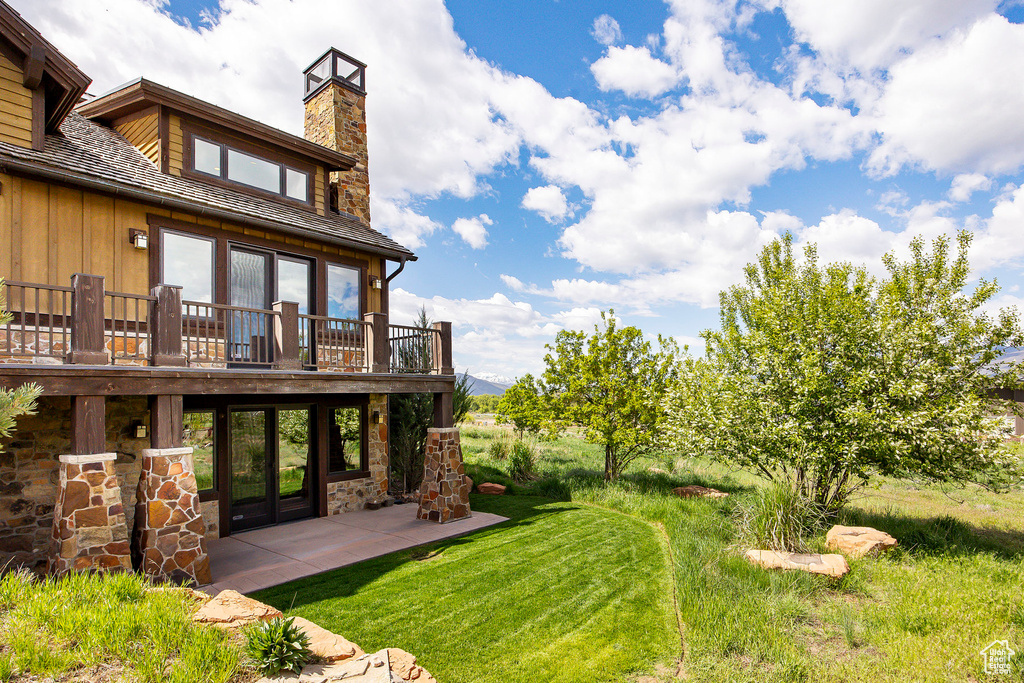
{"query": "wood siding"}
pixel 318 191
pixel 175 145
pixel 144 133
pixel 15 106
pixel 48 232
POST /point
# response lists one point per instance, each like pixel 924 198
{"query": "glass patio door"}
pixel 250 333
pixel 251 448
pixel 295 473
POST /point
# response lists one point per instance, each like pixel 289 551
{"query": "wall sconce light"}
pixel 377 417
pixel 138 238
pixel 375 283
pixel 138 430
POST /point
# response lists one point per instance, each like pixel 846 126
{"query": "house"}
pixel 204 304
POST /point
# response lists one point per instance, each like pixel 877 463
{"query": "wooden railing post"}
pixel 165 327
pixel 443 350
pixel 378 346
pixel 87 343
pixel 287 354
pixel 444 410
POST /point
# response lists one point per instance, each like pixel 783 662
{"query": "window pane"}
pixel 206 156
pixel 297 184
pixel 293 452
pixel 318 74
pixel 248 279
pixel 344 442
pixel 342 292
pixel 188 263
pixel 253 171
pixel 293 282
pixel 197 433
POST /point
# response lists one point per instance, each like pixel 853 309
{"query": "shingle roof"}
pixel 89 151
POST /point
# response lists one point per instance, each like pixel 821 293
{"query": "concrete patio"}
pixel 257 559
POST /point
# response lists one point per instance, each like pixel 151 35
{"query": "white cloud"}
pixel 873 34
pixel 606 30
pixel 966 184
pixel 513 283
pixel 947 107
pixel 401 223
pixel 549 201
pixel 634 71
pixel 473 230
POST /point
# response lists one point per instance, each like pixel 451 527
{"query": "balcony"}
pixel 85 330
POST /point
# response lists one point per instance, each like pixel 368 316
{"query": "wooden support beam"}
pixel 32 67
pixel 165 416
pixel 88 425
pixel 287 352
pixel 87 343
pixel 378 345
pixel 165 327
pixel 444 410
pixel 443 352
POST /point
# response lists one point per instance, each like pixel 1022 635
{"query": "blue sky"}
pixel 551 159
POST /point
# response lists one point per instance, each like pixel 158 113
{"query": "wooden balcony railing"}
pixel 85 324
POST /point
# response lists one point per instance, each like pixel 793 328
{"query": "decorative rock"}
pixel 828 565
pixel 858 541
pixel 88 532
pixel 695 491
pixel 323 643
pixel 469 482
pixel 231 609
pixel 490 489
pixel 169 542
pixel 444 494
pixel 405 667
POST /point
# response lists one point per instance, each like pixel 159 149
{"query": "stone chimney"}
pixel 335 99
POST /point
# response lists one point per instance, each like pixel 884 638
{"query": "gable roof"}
pixel 141 94
pixel 43 66
pixel 90 155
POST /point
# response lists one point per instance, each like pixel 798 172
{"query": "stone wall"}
pixel 346 496
pixel 29 472
pixel 211 517
pixel 336 118
pixel 444 493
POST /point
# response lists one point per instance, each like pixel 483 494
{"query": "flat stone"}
pixel 231 609
pixel 827 565
pixel 403 665
pixel 695 491
pixel 330 646
pixel 858 541
pixel 490 489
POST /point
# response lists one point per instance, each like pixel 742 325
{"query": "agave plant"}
pixel 277 645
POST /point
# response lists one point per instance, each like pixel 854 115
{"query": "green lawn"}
pixel 561 592
pixel 576 589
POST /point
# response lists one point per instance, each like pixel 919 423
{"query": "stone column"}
pixel 89 531
pixel 444 495
pixel 169 542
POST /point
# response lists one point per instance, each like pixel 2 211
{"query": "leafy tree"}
pixel 409 417
pixel 485 403
pixel 821 376
pixel 14 402
pixel 612 385
pixel 462 401
pixel 522 407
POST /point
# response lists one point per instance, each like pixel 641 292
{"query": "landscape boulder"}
pixel 404 666
pixel 491 489
pixel 386 666
pixel 695 491
pixel 827 565
pixel 231 609
pixel 858 541
pixel 330 646
pixel 469 482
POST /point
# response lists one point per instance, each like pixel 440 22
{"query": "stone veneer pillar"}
pixel 89 530
pixel 444 495
pixel 169 542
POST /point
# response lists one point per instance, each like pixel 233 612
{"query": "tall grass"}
pixel 76 623
pixel 779 518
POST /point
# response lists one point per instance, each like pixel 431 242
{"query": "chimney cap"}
pixel 337 67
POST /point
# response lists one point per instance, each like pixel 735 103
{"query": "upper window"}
pixel 226 162
pixel 342 292
pixel 187 261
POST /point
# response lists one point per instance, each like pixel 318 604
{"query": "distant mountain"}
pixel 500 380
pixel 481 386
